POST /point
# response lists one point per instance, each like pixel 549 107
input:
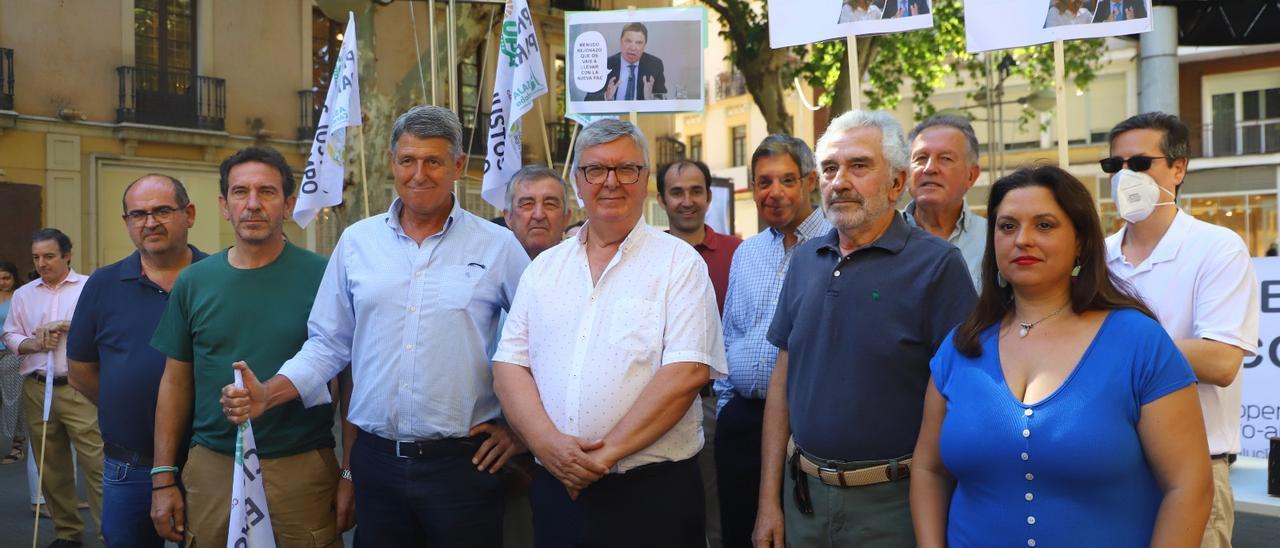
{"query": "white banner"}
pixel 1260 404
pixel 1004 24
pixel 250 520
pixel 326 166
pixel 796 22
pixel 518 80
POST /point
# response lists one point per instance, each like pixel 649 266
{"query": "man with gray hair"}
pixel 783 176
pixel 537 208
pixel 843 408
pixel 944 166
pixel 601 360
pixel 410 299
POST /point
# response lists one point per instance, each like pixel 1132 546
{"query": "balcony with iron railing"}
pixel 6 79
pixel 561 134
pixel 670 149
pixel 1239 138
pixel 475 134
pixel 576 5
pixel 308 115
pixel 730 84
pixel 174 98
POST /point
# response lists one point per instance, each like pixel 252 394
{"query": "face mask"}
pixel 1136 195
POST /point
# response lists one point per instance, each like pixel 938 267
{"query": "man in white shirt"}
pixel 606 346
pixel 1195 276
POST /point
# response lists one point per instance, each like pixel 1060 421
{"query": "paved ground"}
pixel 15 518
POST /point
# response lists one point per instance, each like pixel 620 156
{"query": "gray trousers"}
pixel 870 516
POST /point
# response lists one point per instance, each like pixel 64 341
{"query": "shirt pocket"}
pixel 457 285
pixel 633 325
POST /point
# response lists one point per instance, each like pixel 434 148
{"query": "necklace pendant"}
pixel 1023 329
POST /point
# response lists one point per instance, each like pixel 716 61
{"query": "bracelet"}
pixel 165 486
pixel 345 474
pixel 162 469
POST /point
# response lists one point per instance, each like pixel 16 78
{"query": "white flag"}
pixel 519 79
pixel 326 166
pixel 48 384
pixel 250 520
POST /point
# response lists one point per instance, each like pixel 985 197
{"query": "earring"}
pixel 1075 272
pixel 1000 281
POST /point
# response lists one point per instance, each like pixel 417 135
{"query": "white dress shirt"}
pixel 1200 282
pixel 593 349
pixel 415 323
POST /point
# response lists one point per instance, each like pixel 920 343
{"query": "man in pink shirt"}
pixel 35 329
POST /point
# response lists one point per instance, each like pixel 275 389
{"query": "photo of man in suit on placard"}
pixel 1119 10
pixel 894 9
pixel 633 74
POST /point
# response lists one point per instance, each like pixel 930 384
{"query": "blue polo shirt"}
pixel 859 332
pixel 115 317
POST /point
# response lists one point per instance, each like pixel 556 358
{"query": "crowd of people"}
pixel 852 375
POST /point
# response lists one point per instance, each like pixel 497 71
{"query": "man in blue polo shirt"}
pixel 861 312
pixel 111 333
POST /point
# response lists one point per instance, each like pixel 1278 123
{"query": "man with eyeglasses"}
pixel 601 360
pixel 944 166
pixel 109 349
pixel 783 177
pixel 1196 277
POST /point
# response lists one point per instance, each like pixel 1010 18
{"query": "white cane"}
pixel 44 429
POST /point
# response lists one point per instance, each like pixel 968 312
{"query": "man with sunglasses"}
pixel 1196 277
pixel 601 360
pixel 111 333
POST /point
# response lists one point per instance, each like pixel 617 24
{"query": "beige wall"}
pixel 64 55
pixel 258 56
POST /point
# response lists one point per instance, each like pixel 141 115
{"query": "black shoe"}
pixel 64 543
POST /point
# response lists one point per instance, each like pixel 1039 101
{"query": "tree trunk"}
pixel 769 94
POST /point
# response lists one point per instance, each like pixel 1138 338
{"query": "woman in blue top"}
pixel 1060 413
pixel 10 381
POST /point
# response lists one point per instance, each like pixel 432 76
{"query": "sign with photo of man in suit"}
pixel 635 60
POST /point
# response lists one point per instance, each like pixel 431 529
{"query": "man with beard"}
pixel 782 178
pixel 861 313
pixel 248 303
pixel 109 349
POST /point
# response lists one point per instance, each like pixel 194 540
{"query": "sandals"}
pixel 15 455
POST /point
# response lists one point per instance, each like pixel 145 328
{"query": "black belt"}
pixel 1229 457
pixel 423 449
pixel 40 378
pixel 124 454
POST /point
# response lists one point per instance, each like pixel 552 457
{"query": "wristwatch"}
pixel 345 474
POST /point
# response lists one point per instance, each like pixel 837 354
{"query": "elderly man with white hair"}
pixel 607 344
pixel 861 312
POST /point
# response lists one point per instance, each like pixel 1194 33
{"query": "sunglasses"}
pixel 1136 163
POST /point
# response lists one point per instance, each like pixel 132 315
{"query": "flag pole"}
pixel 546 139
pixel 573 138
pixel 1060 89
pixel 855 73
pixel 364 178
pixel 431 47
pixel 35 529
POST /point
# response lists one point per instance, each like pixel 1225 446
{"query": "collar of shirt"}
pixel 73 277
pixel 1166 249
pixel 964 223
pixel 813 225
pixel 132 268
pixel 893 239
pixel 633 239
pixel 393 216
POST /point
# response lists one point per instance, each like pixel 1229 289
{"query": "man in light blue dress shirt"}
pixel 411 300
pixel 944 166
pixel 783 176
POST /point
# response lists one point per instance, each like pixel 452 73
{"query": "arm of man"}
pixel 564 456
pixel 662 403
pixel 346 495
pixel 1226 316
pixel 83 376
pixel 769 532
pixel 1173 438
pixel 1214 362
pixel 931 483
pixel 173 417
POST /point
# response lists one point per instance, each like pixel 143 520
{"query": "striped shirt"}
pixel 755 280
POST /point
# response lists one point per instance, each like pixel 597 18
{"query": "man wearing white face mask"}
pixel 1196 277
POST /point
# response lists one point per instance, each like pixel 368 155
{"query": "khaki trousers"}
pixel 72 420
pixel 300 498
pixel 1223 516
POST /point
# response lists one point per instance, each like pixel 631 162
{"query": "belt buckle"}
pixel 400 444
pixel 835 471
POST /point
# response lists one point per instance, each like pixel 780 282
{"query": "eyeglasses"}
pixel 625 174
pixel 161 214
pixel 1136 163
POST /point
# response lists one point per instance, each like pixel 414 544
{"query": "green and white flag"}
pixel 327 165
pixel 250 520
pixel 518 80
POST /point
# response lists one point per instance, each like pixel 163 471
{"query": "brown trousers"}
pixel 73 420
pixel 300 498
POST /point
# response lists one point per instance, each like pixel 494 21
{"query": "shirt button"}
pixel 413 308
pixel 1029 497
pixel 837 274
pixel 1028 412
pixel 408 347
pixel 417 274
pixel 1030 476
pixel 1026 433
pixel 1025 456
pixel 1031 520
pixel 1031 542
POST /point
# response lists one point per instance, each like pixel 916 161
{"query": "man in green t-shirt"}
pixel 248 303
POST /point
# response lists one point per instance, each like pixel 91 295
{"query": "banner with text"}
pixel 326 166
pixel 518 80
pixel 1260 402
pixel 250 525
